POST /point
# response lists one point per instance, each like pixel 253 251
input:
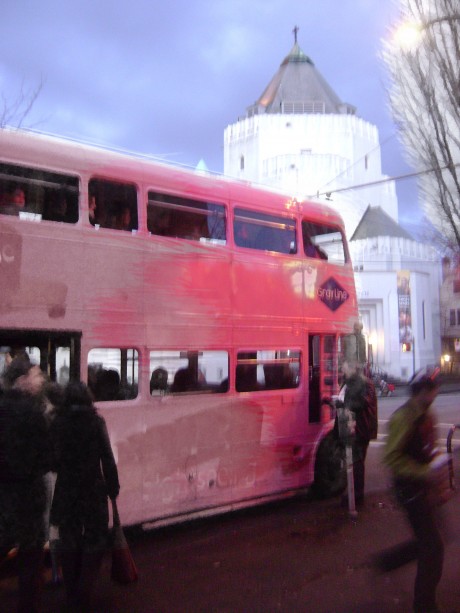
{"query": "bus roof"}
pixel 39 148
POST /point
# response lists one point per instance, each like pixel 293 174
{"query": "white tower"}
pixel 300 137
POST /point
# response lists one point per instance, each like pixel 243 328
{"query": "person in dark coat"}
pixel 24 460
pixel 86 475
pixel 359 397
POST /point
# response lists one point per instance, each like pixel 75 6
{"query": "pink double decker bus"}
pixel 206 315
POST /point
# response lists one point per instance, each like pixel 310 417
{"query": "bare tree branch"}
pixel 14 111
pixel 425 101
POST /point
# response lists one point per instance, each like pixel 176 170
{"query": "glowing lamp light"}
pixel 407 36
pixel 373 340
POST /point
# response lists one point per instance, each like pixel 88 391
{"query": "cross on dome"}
pixel 295 30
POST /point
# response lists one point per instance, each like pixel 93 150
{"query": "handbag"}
pixel 124 569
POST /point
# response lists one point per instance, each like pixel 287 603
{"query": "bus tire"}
pixel 330 468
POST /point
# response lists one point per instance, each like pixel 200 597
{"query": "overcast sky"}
pixel 166 78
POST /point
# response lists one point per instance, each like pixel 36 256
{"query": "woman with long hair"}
pixel 86 476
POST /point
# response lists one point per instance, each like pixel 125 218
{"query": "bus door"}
pixel 322 375
pixel 58 353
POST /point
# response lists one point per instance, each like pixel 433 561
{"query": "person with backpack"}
pixel 360 398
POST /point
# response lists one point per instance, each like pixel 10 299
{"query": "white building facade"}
pixel 397 283
pixel 301 138
pixel 450 316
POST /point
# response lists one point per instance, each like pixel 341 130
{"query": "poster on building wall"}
pixel 404 310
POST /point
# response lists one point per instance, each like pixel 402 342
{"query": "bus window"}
pixel 265 232
pixel 323 242
pixel 112 205
pixel 113 373
pixel 8 353
pixel 179 372
pixel 186 218
pixel 57 353
pixel 33 194
pixel 267 370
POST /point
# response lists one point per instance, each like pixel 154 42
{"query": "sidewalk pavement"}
pixel 296 556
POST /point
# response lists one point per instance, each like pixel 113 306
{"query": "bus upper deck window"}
pixel 264 232
pixel 323 242
pixel 112 205
pixel 186 218
pixel 30 193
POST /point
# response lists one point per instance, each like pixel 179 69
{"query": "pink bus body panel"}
pixel 178 456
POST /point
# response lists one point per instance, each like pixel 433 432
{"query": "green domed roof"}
pixel 296 55
pixel 297 87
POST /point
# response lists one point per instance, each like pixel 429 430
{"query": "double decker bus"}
pixel 207 316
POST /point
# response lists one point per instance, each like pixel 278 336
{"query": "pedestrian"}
pixel 409 453
pixel 24 460
pixel 354 345
pixel 86 476
pixel 53 396
pixel 360 400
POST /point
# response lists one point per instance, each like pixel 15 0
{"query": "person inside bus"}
pixel 92 208
pixel 246 378
pixel 159 381
pixel 123 218
pixel 107 385
pixel 159 220
pixel 244 234
pixel 14 202
pixel 278 376
pixel 56 209
pixel 312 250
pixel 190 226
pixel 184 381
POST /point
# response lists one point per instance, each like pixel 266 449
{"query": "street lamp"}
pixel 408 34
pixel 447 362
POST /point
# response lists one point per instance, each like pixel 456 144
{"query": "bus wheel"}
pixel 330 468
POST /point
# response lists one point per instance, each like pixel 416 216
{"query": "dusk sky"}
pixel 166 78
